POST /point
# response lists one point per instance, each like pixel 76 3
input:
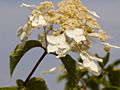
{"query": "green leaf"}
pixel 61 77
pixel 8 88
pixel 36 83
pixel 19 51
pixel 111 88
pixel 104 81
pixel 114 77
pixel 117 62
pixel 105 60
pixel 77 88
pixel 114 74
pixel 92 82
pixel 20 84
pixel 73 72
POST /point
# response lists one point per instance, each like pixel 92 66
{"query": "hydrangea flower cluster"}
pixel 77 29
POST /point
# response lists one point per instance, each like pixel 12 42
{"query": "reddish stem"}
pixel 84 86
pixel 33 70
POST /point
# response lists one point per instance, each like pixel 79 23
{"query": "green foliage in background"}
pixel 109 78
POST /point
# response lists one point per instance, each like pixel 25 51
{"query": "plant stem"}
pixel 45 36
pixel 84 86
pixel 33 70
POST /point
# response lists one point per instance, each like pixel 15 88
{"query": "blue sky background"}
pixel 12 16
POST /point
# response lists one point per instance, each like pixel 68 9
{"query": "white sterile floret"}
pixel 109 45
pixel 93 13
pixel 76 34
pixel 19 31
pixel 58 45
pixel 94 34
pixel 26 5
pixel 90 65
pixel 49 71
pixel 24 31
pixel 38 20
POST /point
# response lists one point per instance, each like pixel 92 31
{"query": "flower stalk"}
pixel 84 86
pixel 35 67
pixel 45 36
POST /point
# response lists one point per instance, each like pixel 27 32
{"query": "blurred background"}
pixel 12 16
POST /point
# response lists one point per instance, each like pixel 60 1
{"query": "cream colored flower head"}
pixel 72 27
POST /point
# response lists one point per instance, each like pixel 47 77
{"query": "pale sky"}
pixel 12 16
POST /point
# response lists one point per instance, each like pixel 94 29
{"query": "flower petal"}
pixel 109 45
pixel 26 5
pixel 42 22
pixel 56 39
pixel 35 20
pixel 95 58
pixel 93 13
pixel 31 17
pixel 70 33
pixel 86 63
pixel 91 65
pixel 19 31
pixel 78 31
pixel 27 28
pixel 73 33
pixel 79 38
pixel 24 36
pixel 93 34
pixel 62 53
pixel 96 73
pixel 34 23
pixel 64 45
pixel 49 71
pixel 83 56
pixel 52 48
